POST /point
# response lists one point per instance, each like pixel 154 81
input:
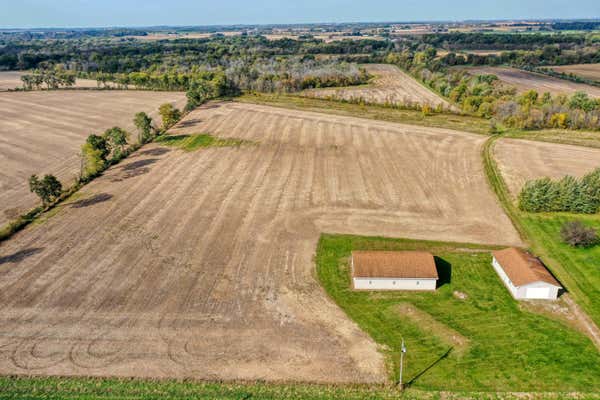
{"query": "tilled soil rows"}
pixel 390 85
pixel 42 132
pixel 525 81
pixel 523 160
pixel 201 264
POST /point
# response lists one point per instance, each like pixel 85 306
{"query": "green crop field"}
pixel 469 334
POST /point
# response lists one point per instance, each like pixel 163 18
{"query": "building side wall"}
pixel 505 279
pixel 394 284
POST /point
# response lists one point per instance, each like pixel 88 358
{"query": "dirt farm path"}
pixel 390 85
pixel 200 264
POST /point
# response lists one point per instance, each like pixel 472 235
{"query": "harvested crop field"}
pixel 42 132
pixel 523 160
pixel 587 71
pixel 200 263
pixel 390 85
pixel 525 81
pixel 12 80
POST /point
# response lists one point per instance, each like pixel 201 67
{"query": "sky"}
pixel 109 13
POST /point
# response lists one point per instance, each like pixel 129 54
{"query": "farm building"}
pixel 393 270
pixel 524 275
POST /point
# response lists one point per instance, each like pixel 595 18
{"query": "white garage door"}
pixel 538 293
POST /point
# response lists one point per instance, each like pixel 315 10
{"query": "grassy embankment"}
pixel 468 335
pixel 578 269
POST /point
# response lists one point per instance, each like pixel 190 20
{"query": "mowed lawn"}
pixel 468 335
pixel 578 268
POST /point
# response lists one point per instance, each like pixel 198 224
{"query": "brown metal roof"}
pixel 522 268
pixel 393 264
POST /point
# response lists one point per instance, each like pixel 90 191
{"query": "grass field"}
pixel 191 142
pixel 494 342
pixel 576 269
pixel 60 388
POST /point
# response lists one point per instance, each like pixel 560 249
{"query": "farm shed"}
pixel 524 275
pixel 393 270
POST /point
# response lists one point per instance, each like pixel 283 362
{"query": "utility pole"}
pixel 402 351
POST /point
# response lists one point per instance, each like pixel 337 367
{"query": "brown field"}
pixel 523 160
pixel 587 71
pixel 42 132
pixel 12 80
pixel 200 264
pixel 525 81
pixel 390 85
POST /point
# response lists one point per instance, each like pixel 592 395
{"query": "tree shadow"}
pixel 135 168
pixel 20 255
pixel 189 122
pixel 158 151
pixel 444 270
pixel 98 198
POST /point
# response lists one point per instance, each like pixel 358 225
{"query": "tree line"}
pixel 101 151
pixel 53 79
pixel 568 194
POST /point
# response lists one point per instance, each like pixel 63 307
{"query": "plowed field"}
pixel 525 81
pixel 200 264
pixel 390 85
pixel 523 160
pixel 42 132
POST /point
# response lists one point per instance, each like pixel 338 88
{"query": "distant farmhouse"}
pixel 524 275
pixel 394 270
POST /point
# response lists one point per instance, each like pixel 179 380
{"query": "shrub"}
pixel 576 234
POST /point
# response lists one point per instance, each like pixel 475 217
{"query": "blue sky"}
pixel 91 13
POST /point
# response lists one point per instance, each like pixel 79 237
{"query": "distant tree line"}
pixel 487 96
pixel 568 194
pixel 51 78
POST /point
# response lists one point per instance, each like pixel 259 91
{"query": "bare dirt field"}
pixel 525 81
pixel 200 264
pixel 12 80
pixel 587 71
pixel 42 132
pixel 390 85
pixel 523 160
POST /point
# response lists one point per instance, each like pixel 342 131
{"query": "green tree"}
pixel 99 144
pixel 143 123
pixel 117 138
pixel 169 114
pixel 48 189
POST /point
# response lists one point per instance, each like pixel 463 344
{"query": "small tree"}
pixel 48 189
pixel 169 114
pixel 100 144
pixel 576 234
pixel 143 123
pixel 117 138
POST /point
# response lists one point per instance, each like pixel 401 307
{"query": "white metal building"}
pixel 393 270
pixel 524 275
